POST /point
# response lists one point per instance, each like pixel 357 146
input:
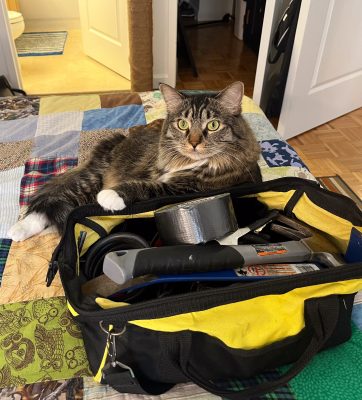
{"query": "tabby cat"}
pixel 204 143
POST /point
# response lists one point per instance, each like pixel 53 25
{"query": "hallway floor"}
pixel 220 60
pixel 71 72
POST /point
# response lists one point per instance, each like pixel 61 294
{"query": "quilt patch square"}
pixel 278 153
pixel 116 117
pixel 14 154
pixel 18 129
pixel 154 105
pixel 58 104
pixel 9 195
pixel 90 139
pixel 38 171
pixel 357 315
pixel 50 343
pixel 26 267
pixel 248 106
pixel 62 389
pixel 64 145
pixel 4 251
pixel 284 392
pixel 119 99
pixel 18 107
pixel 261 127
pixel 58 123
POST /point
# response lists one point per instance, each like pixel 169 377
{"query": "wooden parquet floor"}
pixel 334 148
pixel 220 59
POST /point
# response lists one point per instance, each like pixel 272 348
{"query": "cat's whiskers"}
pixel 246 168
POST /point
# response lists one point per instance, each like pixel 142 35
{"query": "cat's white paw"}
pixel 110 200
pixel 31 225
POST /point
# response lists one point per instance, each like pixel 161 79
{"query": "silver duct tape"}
pixel 197 221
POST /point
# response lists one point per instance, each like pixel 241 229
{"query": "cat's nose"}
pixel 195 138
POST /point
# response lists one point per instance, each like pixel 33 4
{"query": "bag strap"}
pixel 122 381
pixel 322 315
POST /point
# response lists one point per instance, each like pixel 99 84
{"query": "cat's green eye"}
pixel 213 125
pixel 182 124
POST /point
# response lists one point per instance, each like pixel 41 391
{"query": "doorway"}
pixel 218 44
pixel 72 71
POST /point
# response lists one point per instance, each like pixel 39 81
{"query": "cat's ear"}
pixel 230 98
pixel 172 97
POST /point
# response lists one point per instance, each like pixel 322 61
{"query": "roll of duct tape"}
pixel 197 221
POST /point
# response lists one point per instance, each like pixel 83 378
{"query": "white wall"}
pixel 8 61
pixel 56 14
pixel 210 10
pixel 164 42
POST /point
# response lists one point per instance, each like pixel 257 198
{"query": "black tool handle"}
pixel 186 259
pixel 120 266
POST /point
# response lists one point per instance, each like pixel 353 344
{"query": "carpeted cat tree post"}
pixel 140 43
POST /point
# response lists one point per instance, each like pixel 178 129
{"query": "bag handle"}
pixel 321 313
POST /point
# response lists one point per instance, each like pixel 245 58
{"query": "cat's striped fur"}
pixel 155 160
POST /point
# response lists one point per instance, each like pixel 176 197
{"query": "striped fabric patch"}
pixel 40 43
pixel 9 198
pixel 4 251
pixel 40 170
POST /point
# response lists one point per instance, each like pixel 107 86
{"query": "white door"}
pixel 325 73
pixel 105 33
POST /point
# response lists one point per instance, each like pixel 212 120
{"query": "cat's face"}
pixel 201 126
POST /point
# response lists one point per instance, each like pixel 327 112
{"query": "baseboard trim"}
pixel 159 78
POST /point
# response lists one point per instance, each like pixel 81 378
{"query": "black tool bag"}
pixel 226 331
pixel 7 90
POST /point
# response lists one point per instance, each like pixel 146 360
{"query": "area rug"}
pixel 338 185
pixel 40 43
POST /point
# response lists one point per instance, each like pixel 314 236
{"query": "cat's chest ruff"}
pixel 173 171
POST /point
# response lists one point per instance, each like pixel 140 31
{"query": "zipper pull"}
pixel 114 366
pixel 81 240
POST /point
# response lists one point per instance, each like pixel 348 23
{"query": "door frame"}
pixel 10 66
pixel 164 57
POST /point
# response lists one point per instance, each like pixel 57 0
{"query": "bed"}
pixel 42 353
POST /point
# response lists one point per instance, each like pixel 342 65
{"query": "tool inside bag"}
pixel 167 291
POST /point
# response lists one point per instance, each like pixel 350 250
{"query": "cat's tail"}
pixel 52 203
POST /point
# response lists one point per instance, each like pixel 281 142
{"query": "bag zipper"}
pixel 158 307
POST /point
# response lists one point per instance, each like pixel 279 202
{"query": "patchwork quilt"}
pixel 41 349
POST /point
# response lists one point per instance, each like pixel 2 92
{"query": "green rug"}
pixel 333 374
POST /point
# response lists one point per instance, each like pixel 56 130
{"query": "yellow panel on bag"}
pixel 252 323
pixel 338 228
pixel 108 222
pixel 275 200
